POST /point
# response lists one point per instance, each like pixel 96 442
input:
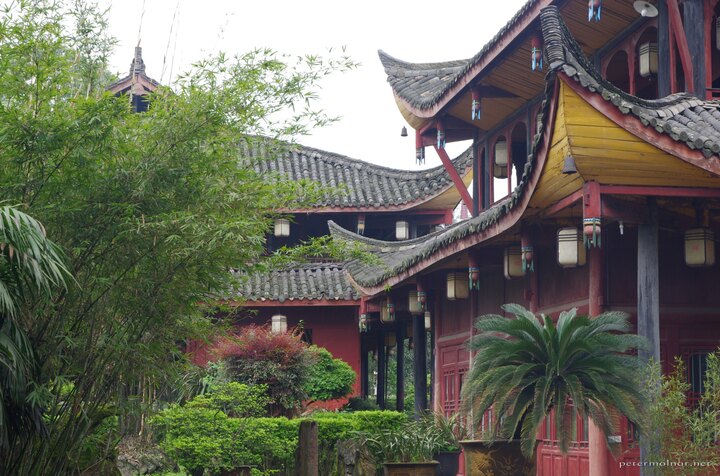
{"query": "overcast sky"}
pixel 369 129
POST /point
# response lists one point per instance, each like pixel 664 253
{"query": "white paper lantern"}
pixel 512 262
pixel 457 286
pixel 361 225
pixel 501 154
pixel 570 249
pixel 699 247
pixel 387 312
pixel 282 228
pixel 279 324
pixel 428 321
pixel 414 304
pixel 648 59
pixel 402 230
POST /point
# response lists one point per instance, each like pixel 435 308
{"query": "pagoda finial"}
pixel 138 65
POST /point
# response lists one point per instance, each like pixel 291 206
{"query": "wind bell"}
pixel 526 250
pixel 440 135
pixel 536 53
pixel 591 231
pixel 475 113
pixel 419 149
pixel 594 9
pixel 473 272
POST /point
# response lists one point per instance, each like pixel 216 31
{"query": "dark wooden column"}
pixel 477 199
pixel 648 300
pixel 420 365
pixel 664 43
pixel 400 375
pixel 381 367
pixel 486 176
pixel 694 21
pixel 364 377
pixel 648 284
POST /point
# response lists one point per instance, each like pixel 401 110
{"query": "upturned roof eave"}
pixel 476 65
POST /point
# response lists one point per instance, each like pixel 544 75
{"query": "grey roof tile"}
pixel 682 117
pixel 321 281
pixel 358 184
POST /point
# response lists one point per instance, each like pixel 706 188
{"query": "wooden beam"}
pixel 686 192
pixel 694 13
pixel 420 365
pixel 293 303
pixel 678 32
pixel 459 184
pixel 562 204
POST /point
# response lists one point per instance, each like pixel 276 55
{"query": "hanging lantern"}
pixel 648 59
pixel 387 311
pixel 570 248
pixel 536 55
pixel 501 159
pixel 282 228
pixel 390 339
pixel 402 230
pixel 414 304
pixel 512 262
pixel 363 323
pixel 457 286
pixel 428 321
pixel 526 253
pixel 440 135
pixel 592 227
pixel 278 324
pixel 475 109
pixel 699 247
pixel 419 149
pixel 594 9
pixel 361 224
pixel 473 272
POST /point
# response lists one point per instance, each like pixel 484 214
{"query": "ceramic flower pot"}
pixel 449 462
pixel 500 458
pixel 428 468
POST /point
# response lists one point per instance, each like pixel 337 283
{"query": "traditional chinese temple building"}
pixel 595 143
pixel 376 203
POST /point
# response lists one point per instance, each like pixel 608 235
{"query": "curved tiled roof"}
pixel 420 83
pixel 322 281
pixel 687 119
pixel 413 82
pixel 358 184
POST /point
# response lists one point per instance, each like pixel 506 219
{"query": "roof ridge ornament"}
pixel 594 10
pixel 138 65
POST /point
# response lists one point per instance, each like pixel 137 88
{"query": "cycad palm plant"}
pixel 31 267
pixel 527 366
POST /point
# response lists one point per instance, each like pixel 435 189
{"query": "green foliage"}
pixel 328 378
pixel 356 404
pixel 677 430
pixel 281 361
pixel 31 269
pixel 410 441
pixel 198 437
pixel 235 400
pixel 525 367
pixel 151 210
pixel 449 429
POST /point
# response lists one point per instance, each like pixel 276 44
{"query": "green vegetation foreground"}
pixel 151 210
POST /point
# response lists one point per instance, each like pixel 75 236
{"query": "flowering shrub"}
pixel 280 361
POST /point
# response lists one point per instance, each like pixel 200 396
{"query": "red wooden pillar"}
pixel 597 446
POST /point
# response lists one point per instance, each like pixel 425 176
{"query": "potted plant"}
pixel 449 431
pixel 405 450
pixel 528 366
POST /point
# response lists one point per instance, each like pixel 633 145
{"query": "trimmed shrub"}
pixel 328 378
